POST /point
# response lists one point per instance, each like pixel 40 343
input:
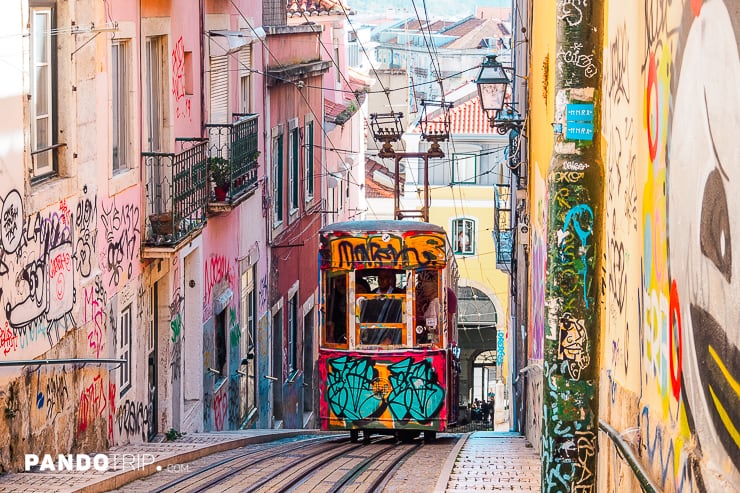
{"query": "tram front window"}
pixel 380 319
pixel 381 309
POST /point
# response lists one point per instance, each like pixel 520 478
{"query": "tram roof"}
pixel 381 225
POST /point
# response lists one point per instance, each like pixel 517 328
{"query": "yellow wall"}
pixel 669 351
pixel 475 202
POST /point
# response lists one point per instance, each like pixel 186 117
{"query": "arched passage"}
pixel 477 320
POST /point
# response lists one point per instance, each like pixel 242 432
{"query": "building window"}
pixel 245 79
pixel 154 91
pixel 464 168
pixel 293 333
pixel 293 169
pixel 463 234
pixel 120 76
pixel 124 349
pixel 43 97
pixel 277 179
pixel 308 160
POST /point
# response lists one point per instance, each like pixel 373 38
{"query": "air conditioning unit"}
pixel 523 234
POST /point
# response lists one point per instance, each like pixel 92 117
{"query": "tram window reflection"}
pixel 381 336
pixel 381 309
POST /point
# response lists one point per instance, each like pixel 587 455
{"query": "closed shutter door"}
pixel 219 89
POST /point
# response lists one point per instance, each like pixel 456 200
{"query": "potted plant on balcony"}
pixel 220 170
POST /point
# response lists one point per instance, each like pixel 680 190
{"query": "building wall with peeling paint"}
pixel 669 346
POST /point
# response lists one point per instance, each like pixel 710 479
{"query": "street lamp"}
pixel 493 83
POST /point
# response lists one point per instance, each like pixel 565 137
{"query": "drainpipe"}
pixel 575 249
pixel 201 37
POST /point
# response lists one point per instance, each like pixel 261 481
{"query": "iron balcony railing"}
pixel 176 192
pixel 503 233
pixel 504 241
pixel 232 157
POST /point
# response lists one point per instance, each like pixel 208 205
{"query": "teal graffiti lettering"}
pixel 350 389
pixel 416 393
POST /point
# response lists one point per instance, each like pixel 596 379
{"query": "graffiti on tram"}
pixel 395 390
pixel 411 251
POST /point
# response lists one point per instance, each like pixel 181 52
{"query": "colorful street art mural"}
pixel 669 347
pixel 671 352
pixel 382 391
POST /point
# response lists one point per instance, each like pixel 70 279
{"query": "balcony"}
pixel 503 234
pixel 232 162
pixel 176 196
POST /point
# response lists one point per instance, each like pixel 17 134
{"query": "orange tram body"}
pixel 388 360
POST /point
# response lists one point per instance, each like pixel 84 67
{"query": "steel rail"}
pixel 378 482
pixel 288 467
pixel 250 461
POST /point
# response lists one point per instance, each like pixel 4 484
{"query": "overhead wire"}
pixel 316 118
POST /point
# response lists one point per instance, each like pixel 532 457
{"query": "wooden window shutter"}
pixel 245 61
pixel 219 77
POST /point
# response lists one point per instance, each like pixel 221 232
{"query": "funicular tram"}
pixel 388 360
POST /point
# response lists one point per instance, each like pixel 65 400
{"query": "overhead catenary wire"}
pixel 316 118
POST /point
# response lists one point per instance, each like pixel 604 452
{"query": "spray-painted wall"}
pixel 70 267
pixel 669 349
pixel 671 354
pixel 76 280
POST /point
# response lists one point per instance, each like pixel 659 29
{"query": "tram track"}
pixel 211 475
pixel 321 465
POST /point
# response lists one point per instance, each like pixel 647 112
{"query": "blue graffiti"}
pixel 350 389
pixel 582 217
pixel 416 393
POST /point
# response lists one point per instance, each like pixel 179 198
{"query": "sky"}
pixel 436 8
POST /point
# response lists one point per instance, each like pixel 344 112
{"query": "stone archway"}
pixel 477 320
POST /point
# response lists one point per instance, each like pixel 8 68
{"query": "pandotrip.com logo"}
pixel 96 462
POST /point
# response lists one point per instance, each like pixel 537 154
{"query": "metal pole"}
pixel 574 260
pixel 425 215
pixel 397 189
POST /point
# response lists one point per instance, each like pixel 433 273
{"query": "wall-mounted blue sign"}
pixel 579 131
pixel 579 112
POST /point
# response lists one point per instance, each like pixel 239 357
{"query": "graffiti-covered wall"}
pixel 69 278
pixel 671 106
pixel 669 351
